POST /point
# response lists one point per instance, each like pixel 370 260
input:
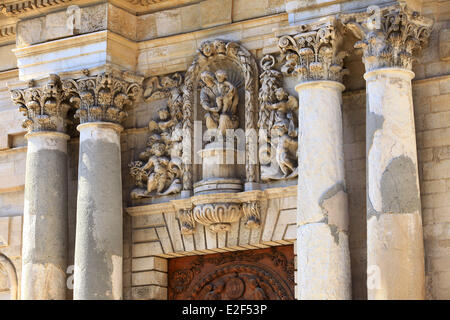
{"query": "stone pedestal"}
pixel 322 236
pixel 99 245
pixel 219 165
pixel 395 253
pixel 44 251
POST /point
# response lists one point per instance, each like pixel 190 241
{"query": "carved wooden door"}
pixel 262 274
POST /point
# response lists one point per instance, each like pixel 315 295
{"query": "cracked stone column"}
pixel 323 257
pixel 395 252
pixel 99 233
pixel 44 249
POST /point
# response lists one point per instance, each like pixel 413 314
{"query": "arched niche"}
pixel 242 69
pixel 7 267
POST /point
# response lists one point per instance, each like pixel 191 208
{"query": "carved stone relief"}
pixel 393 41
pixel 314 53
pixel 266 274
pixel 278 118
pixel 219 98
pixel 103 97
pixel 45 108
pixel 159 168
pixel 218 216
pixel 215 53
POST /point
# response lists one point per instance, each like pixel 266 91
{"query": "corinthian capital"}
pixel 103 97
pixel 44 107
pixel 389 36
pixel 314 53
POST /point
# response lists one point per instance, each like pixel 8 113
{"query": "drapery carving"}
pixel 393 41
pixel 278 120
pixel 219 98
pixel 45 108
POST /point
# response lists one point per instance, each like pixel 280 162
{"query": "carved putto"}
pixel 391 42
pixel 45 108
pixel 159 168
pixel 219 98
pixel 314 54
pixel 278 120
pixel 103 97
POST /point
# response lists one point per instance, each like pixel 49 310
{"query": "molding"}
pixel 24 6
pixel 183 204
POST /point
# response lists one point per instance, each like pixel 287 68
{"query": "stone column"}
pixel 323 257
pixel 44 251
pixel 395 252
pixel 99 233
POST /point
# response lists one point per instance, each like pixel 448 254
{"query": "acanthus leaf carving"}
pixel 186 217
pixel 394 41
pixel 45 108
pixel 103 97
pixel 314 53
pixel 159 168
pixel 278 125
pixel 252 214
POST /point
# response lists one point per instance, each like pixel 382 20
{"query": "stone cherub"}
pixel 278 150
pixel 219 98
pixel 159 172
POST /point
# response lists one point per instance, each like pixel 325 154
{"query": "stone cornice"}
pixel 15 8
pixel 184 204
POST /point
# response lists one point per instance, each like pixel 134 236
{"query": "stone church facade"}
pixel 224 149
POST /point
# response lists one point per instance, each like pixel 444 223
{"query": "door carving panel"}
pixel 262 274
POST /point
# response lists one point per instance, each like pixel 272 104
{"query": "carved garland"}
pixel 207 52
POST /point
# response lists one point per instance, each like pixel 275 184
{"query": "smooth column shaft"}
pixel 44 251
pixel 99 245
pixel 322 216
pixel 395 253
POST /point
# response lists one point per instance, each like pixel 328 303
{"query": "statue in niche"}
pixel 278 146
pixel 219 98
pixel 159 168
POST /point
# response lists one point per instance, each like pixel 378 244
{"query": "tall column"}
pixel 44 244
pixel 395 252
pixel 323 257
pixel 100 102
